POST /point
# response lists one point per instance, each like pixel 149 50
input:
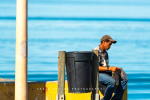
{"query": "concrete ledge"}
pixel 46 90
pixel 4 80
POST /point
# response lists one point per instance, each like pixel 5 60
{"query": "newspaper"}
pixel 118 74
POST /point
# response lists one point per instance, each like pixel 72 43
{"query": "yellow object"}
pixel 44 91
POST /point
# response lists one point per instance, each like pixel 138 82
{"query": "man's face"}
pixel 107 45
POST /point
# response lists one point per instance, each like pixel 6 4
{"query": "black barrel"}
pixel 79 71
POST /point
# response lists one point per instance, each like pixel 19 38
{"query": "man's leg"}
pixel 120 90
pixel 111 82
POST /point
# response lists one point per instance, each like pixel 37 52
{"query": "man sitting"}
pixel 105 71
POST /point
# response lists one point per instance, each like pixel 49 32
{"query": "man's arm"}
pixel 113 69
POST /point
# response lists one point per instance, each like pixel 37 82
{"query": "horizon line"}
pixel 80 18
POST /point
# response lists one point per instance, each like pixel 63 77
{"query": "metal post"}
pixel 21 51
pixel 95 77
pixel 61 76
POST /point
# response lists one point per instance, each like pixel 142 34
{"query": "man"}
pixel 105 71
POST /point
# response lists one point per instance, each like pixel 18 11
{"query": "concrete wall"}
pixel 43 91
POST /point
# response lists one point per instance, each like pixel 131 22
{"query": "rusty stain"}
pixel 8 94
pixel 61 97
pixel 46 89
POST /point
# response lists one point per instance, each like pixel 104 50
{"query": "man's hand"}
pixel 114 69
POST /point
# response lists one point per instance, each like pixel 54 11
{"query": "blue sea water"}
pixel 78 25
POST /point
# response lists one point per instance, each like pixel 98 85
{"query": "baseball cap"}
pixel 107 37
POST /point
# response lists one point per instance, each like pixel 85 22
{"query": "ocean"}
pixel 78 25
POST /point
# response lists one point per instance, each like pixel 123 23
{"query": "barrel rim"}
pixel 76 52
